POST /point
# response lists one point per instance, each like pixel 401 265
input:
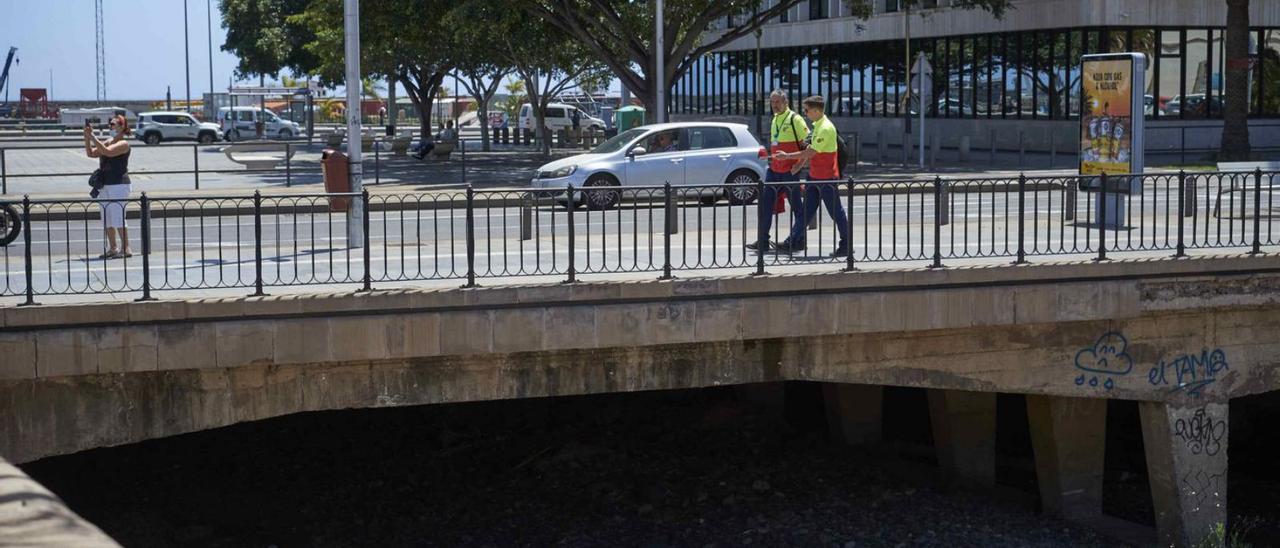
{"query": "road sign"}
pixel 922 70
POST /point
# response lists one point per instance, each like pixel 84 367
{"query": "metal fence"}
pixel 257 242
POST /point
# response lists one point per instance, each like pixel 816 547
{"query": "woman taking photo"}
pixel 113 176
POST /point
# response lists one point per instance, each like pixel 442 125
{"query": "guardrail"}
pixel 259 242
pixel 289 166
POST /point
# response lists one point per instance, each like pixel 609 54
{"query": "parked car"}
pixel 1194 104
pixel 74 118
pixel 239 122
pixel 699 153
pixel 156 127
pixel 559 116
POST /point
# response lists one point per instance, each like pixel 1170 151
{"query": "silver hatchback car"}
pixel 704 154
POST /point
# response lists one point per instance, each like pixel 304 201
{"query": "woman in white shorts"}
pixel 113 168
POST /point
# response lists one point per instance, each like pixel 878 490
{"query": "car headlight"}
pixel 562 172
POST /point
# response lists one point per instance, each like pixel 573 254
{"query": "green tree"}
pixel 479 69
pixel 621 32
pixel 261 35
pixel 404 41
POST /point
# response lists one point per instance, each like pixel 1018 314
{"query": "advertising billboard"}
pixel 1111 119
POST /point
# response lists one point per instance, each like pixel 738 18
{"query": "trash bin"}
pixel 337 177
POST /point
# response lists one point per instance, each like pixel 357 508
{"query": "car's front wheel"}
pixel 736 189
pixel 205 138
pixel 152 138
pixel 10 224
pixel 285 135
pixel 601 192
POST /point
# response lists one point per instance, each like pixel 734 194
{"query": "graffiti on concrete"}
pixel 1201 433
pixel 1201 485
pixel 1190 373
pixel 1101 363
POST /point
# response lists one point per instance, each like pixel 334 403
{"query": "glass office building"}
pixel 1009 73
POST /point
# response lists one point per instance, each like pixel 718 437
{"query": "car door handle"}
pixel 725 156
pixel 677 160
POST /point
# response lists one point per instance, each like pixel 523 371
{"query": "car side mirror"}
pixel 638 151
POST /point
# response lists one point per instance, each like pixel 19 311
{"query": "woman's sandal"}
pixel 110 254
pixel 123 255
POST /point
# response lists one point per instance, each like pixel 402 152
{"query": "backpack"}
pixel 842 154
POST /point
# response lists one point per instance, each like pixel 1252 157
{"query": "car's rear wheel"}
pixel 152 138
pixel 601 192
pixel 10 224
pixel 285 135
pixel 735 190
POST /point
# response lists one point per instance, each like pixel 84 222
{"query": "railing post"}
pixel 4 174
pixel 257 244
pixel 762 241
pixel 1022 219
pixel 26 252
pixel 195 161
pixel 848 258
pixel 1257 211
pixel 1182 195
pixel 573 275
pixel 937 223
pixel 471 237
pixel 288 166
pixel 368 262
pixel 668 222
pixel 146 249
pixel 1102 220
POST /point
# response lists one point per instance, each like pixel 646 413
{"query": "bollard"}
pixel 964 149
pixel 526 217
pixel 992 159
pixel 1053 149
pixel 1189 198
pixel 907 149
pixel 944 198
pixel 1022 148
pixel 880 146
pixel 463 145
pixel 1069 205
pixel 195 160
pixel 857 151
pixel 4 175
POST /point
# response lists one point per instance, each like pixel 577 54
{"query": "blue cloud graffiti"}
pixel 1107 358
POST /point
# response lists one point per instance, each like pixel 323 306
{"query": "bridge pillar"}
pixel 1068 436
pixel 853 412
pixel 1187 466
pixel 964 435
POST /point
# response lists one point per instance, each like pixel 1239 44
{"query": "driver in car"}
pixel 665 142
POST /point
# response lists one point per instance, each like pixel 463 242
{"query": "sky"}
pixel 143 40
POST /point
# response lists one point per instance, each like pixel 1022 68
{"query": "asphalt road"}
pixel 219 251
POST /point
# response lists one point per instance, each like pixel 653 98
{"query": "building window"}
pixel 890 6
pixel 818 9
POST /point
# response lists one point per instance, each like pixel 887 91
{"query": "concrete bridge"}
pixel 1182 337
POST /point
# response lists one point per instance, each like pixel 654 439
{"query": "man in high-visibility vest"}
pixel 787 133
pixel 823 155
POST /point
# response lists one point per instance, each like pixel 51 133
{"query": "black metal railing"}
pixel 256 242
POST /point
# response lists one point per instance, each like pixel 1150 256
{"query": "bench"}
pixel 258 155
pixel 400 144
pixel 1244 184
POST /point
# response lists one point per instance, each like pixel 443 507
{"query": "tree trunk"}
pixel 482 117
pixel 1235 116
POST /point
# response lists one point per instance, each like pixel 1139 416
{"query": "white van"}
pixel 238 122
pixel 559 116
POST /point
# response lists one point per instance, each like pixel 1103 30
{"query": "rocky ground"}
pixel 690 468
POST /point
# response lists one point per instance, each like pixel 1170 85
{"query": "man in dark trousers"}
pixel 786 134
pixel 823 155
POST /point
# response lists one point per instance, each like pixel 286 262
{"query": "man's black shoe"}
pixel 841 251
pixel 768 246
pixel 789 247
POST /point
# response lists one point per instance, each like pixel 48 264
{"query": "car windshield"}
pixel 618 141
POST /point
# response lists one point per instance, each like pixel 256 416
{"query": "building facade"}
pixel 1023 68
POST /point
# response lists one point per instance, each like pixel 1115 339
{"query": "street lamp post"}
pixel 355 212
pixel 659 57
pixel 759 87
pixel 209 23
pixel 186 51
